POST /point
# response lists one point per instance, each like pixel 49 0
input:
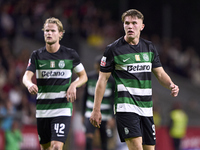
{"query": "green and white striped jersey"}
pixel 107 101
pixel 131 67
pixel 53 73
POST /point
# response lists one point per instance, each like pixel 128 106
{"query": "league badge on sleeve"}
pixel 103 61
pixel 29 62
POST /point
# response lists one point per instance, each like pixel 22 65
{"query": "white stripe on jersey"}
pixel 90 104
pixel 51 95
pixel 124 107
pixel 54 73
pixel 78 68
pixel 107 92
pixel 104 117
pixel 53 112
pixel 134 91
pixel 135 67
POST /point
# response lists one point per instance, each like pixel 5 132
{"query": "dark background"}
pixel 167 18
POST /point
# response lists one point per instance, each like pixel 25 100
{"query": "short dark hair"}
pixel 133 13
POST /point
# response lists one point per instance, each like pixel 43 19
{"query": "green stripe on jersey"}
pixel 134 83
pixel 92 82
pixel 55 64
pixel 109 85
pixel 134 58
pixel 137 103
pixel 54 88
pixel 53 106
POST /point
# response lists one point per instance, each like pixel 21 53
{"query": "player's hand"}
pixel 95 118
pixel 71 93
pixel 174 90
pixel 33 89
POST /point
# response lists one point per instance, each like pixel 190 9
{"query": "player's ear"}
pixel 61 34
pixel 142 27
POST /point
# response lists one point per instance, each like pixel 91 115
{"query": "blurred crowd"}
pixel 83 21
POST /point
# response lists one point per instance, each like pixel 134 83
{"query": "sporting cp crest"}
pixel 145 57
pixel 61 64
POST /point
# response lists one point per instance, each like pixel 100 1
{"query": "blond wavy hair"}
pixel 57 22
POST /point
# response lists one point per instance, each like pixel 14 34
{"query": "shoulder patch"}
pixel 103 61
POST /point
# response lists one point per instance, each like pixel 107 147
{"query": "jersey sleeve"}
pixel 107 61
pixel 31 63
pixel 77 65
pixel 156 60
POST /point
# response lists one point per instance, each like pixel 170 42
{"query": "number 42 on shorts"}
pixel 59 128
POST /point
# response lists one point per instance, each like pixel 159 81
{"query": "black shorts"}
pixel 131 125
pixel 103 132
pixel 53 129
pixel 91 129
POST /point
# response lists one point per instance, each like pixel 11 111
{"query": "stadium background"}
pixel 90 25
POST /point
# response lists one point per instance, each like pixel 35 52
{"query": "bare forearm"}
pixel 99 92
pixel 71 92
pixel 27 79
pixel 165 81
pixel 32 88
pixel 95 118
pixel 81 79
pixel 163 77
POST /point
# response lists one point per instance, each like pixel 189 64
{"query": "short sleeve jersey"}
pixel 131 67
pixel 53 73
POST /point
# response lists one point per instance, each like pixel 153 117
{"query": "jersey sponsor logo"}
pixel 138 67
pixel 103 61
pixel 53 74
pixel 124 60
pixel 61 64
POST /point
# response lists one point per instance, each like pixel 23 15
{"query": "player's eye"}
pixel 127 23
pixel 134 22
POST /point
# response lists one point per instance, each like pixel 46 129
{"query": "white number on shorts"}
pixel 154 131
pixel 62 126
pixel 59 128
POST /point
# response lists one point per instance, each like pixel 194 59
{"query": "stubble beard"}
pixel 50 42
